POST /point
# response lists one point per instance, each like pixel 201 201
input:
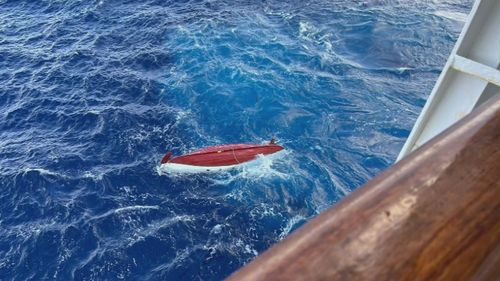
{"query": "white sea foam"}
pixel 93 175
pixel 136 207
pixel 151 229
pixel 289 225
pixel 261 168
pixel 179 258
pixel 250 250
pixel 263 210
pixel 42 171
pixel 456 16
pixel 216 229
pixel 307 31
pixel 125 209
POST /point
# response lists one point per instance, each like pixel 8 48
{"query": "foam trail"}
pixel 125 209
pixel 264 167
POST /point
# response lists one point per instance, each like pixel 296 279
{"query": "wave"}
pixel 93 93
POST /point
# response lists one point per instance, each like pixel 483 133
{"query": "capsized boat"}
pixel 220 157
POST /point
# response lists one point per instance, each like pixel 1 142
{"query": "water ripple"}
pixel 92 93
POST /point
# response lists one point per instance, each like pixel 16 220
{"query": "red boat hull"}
pixel 223 155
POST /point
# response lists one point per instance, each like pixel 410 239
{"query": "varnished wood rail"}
pixel 435 215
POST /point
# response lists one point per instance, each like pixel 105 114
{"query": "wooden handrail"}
pixel 435 215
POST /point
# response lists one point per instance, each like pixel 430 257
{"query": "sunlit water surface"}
pixel 93 93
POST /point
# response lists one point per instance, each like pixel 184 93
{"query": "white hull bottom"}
pixel 190 169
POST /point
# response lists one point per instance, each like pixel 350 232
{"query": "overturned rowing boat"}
pixel 219 157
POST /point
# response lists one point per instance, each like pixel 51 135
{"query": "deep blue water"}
pixel 93 93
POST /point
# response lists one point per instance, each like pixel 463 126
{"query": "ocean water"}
pixel 93 93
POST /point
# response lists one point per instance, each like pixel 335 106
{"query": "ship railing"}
pixel 434 215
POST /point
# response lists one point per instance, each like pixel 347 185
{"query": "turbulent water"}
pixel 93 93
